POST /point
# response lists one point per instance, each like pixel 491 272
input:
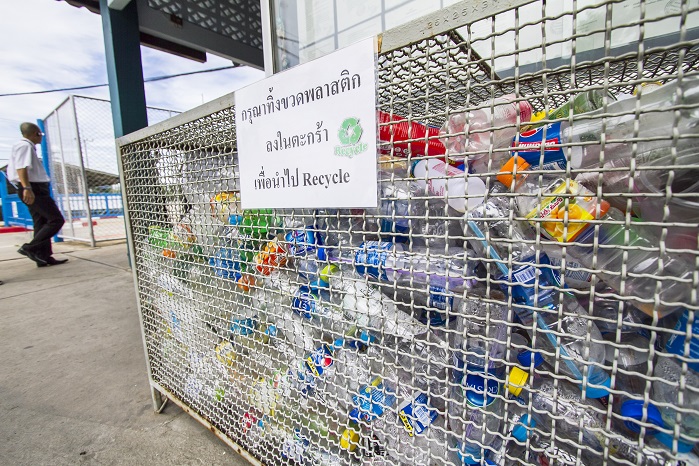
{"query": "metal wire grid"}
pixel 216 295
pixel 84 171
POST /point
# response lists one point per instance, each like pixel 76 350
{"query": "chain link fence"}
pixel 530 310
pixel 83 165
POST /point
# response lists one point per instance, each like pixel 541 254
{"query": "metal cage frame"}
pixel 426 73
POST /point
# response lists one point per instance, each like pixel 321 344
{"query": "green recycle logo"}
pixel 350 132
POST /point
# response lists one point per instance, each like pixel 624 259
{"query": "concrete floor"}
pixel 73 383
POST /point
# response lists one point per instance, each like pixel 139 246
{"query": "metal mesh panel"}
pixel 84 171
pixel 538 313
pixel 237 19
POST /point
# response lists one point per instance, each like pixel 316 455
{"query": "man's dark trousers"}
pixel 47 219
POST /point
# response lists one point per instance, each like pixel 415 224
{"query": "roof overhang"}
pixel 191 29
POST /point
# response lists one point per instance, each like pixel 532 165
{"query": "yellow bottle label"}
pixel 553 211
pixel 406 422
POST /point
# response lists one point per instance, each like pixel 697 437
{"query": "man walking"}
pixel 27 173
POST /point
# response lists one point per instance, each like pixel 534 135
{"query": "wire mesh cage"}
pixel 525 293
pixel 84 172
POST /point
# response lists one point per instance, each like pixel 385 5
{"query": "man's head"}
pixel 31 132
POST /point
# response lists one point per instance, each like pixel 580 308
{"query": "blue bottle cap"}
pixel 667 441
pixel 318 285
pixel 235 219
pixel 521 430
pixel 634 409
pixel 598 392
pixel 339 343
pixel 322 254
pixel 366 337
pixel 525 358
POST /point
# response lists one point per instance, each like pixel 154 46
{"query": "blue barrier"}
pixel 15 213
pixel 101 205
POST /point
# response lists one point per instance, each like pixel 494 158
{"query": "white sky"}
pixel 46 44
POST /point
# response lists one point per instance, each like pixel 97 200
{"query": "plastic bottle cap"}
pixel 366 337
pixel 525 358
pixel 506 175
pixel 327 271
pixel 668 440
pixel 318 285
pixel 538 116
pixel 525 111
pixel 349 439
pixel 521 430
pixel 634 409
pixel 598 392
pixel 518 378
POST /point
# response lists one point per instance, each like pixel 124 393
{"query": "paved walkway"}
pixel 73 383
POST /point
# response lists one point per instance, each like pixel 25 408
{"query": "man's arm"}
pixel 27 193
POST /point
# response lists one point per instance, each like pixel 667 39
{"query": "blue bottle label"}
pixel 675 344
pixel 319 360
pixel 371 401
pixel 480 390
pixel 524 279
pixel 442 302
pixel 530 143
pixel 308 303
pixel 302 241
pixel 371 257
pixel 417 415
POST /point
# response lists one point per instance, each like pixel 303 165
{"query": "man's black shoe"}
pixel 52 261
pixel 39 261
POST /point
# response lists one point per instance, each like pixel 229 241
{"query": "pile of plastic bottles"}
pixel 506 303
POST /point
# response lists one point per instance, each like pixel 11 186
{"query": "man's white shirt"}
pixel 24 156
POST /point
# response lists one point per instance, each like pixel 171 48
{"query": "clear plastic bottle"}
pixel 561 406
pixel 461 191
pixel 478 340
pixel 544 202
pixel 427 359
pixel 398 409
pixel 493 236
pixel 666 388
pixel 468 133
pixel 656 119
pixel 475 415
pixel 394 263
pixel 633 363
pixel 580 343
pixel 364 306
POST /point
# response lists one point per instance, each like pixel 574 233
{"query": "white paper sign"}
pixel 307 136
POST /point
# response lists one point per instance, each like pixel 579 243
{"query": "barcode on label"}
pixel 572 272
pixel 578 275
pixel 526 275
